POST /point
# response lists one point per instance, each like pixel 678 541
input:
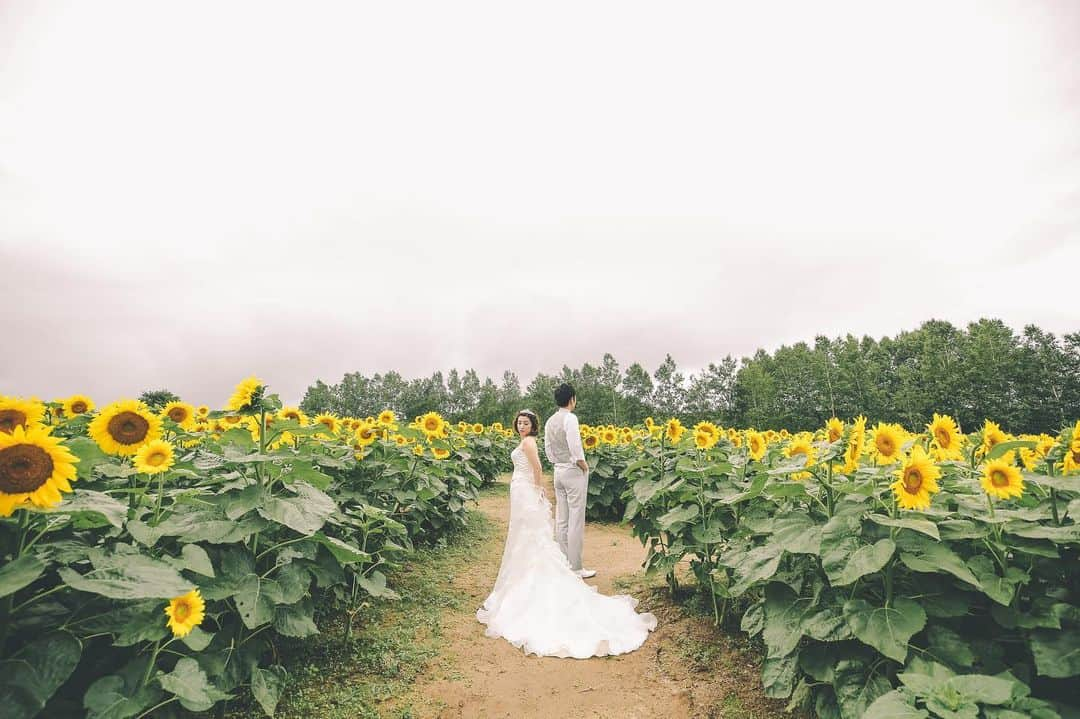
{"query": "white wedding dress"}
pixel 541 605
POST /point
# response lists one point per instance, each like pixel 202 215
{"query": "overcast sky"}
pixel 194 192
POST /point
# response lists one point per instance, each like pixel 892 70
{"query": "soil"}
pixel 686 668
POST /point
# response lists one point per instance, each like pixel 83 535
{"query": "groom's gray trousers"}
pixel 571 494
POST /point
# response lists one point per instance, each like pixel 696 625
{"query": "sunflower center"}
pixel 10 419
pixel 913 481
pixel 885 445
pixel 181 612
pixel 944 439
pixel 178 414
pixel 78 407
pixel 999 478
pixel 24 468
pixel 128 428
pixel 833 435
pixel 292 415
pixel 156 459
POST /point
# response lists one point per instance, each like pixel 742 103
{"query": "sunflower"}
pixel 329 421
pixel 673 430
pixel 856 444
pixel 440 453
pixel 418 450
pixel 705 440
pixel 916 480
pixel 801 444
pixel 203 411
pixel 834 429
pixel 125 426
pixel 77 404
pixel 608 435
pixel 1072 462
pixel 154 457
pixel 710 429
pixel 34 467
pixel 16 412
pixel 756 445
pixel 1001 479
pixel 590 441
pixel 888 439
pixel 366 434
pixel 180 412
pixel 247 392
pixel 497 426
pixel 433 425
pixel 387 418
pixel 185 613
pixel 992 435
pixel 945 437
pixel 477 428
pixel 649 423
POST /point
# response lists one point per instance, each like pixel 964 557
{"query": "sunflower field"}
pixel 888 573
pixel 150 561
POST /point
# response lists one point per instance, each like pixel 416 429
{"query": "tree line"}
pixel 1027 382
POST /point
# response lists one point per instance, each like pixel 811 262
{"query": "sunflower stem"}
pixel 160 495
pixel 150 665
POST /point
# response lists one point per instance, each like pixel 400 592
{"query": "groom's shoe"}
pixel 586 573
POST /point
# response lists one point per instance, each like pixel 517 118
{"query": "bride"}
pixel 539 603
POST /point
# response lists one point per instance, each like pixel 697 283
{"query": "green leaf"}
pixel 753 566
pixel 375 585
pixel 132 623
pixel 33 674
pixel 20 573
pixel 924 526
pixel 778 675
pixel 197 639
pixel 893 705
pixel 797 533
pixel 856 688
pixel 887 629
pixel 867 559
pixel 254 603
pixel 680 515
pixel 839 541
pixel 753 619
pixel 923 555
pixel 237 504
pixel 194 558
pixel 131 576
pixel 85 501
pixel 982 688
pixel 1057 653
pixel 342 551
pixel 1000 589
pixel 950 647
pixel 266 685
pixel 305 513
pixel 189 683
pixel 306 472
pixel 110 698
pixel 296 620
pixel 1001 448
pixel 818 661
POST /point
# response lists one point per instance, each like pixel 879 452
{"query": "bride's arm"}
pixel 531 453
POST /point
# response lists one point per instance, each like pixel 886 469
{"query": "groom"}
pixel 562 445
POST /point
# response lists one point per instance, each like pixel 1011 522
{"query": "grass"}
pixel 392 643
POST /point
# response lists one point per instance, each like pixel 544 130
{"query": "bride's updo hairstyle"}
pixel 534 421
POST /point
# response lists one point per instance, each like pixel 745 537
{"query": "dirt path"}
pixel 684 669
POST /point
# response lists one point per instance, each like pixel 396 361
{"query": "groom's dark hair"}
pixel 563 394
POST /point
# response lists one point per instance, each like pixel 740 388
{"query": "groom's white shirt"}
pixel 562 439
